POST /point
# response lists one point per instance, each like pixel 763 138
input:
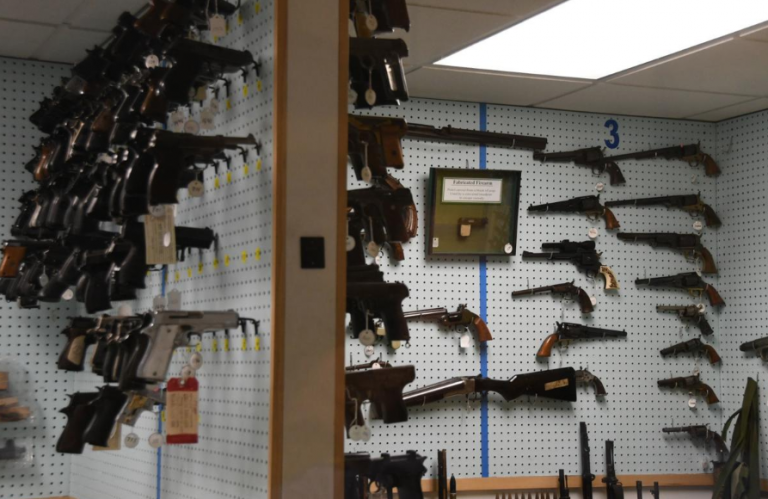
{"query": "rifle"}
pixel 567 332
pixel 566 289
pixel 689 244
pixel 375 18
pixel 689 281
pixel 690 153
pixel 562 484
pixel 690 313
pixel 690 203
pixel 588 205
pixel 655 490
pixel 557 384
pixel 388 217
pixel 613 487
pixel 461 317
pixel 639 486
pixel 591 157
pixel 403 473
pixel 703 432
pixel 760 346
pixel 383 388
pixel 374 143
pixel 376 72
pixel 691 383
pixel 584 376
pixel 695 346
pixel 586 466
pixel 581 254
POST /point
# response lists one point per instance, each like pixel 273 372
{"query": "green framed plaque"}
pixel 473 212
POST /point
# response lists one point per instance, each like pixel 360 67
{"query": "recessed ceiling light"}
pixel 596 38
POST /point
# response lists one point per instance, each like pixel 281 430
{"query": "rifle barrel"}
pixel 451 134
pixel 533 291
pixel 439 391
pixel 429 313
pixel 641 202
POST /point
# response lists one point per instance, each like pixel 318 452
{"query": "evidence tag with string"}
pixel 466 339
pixel 160 235
pixel 181 412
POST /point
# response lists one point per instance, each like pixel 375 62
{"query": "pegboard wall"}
pixel 230 460
pixel 31 338
pixel 538 436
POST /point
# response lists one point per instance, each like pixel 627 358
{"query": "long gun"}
pixel 557 384
pixel 403 473
pixel 375 143
pixel 691 383
pixel 760 346
pixel 689 244
pixel 562 485
pixel 695 346
pixel 586 466
pixel 388 217
pixel 581 254
pixel 383 388
pixel 690 153
pixel 703 432
pixel 690 203
pixel 567 332
pixel 565 289
pixel 694 314
pixel 462 317
pixel 376 71
pixel 613 487
pixel 590 157
pixel 689 281
pixel 588 205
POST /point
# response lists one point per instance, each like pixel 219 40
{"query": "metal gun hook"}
pixel 246 320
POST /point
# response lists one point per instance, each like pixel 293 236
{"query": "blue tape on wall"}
pixel 164 280
pixel 483 345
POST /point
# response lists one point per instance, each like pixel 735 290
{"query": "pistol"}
pixel 691 383
pixel 567 289
pixel 567 332
pixel 695 346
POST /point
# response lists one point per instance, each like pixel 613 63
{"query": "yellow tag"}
pixel 258 253
pixel 257 344
pixel 216 183
pixel 244 343
pixel 198 417
pixel 258 85
pixel 258 165
pixel 215 39
pixel 257 7
pixel 226 344
pixel 226 260
pixel 189 272
pixel 227 27
pixel 229 177
pixel 189 349
pixel 215 345
pixel 229 104
pixel 162 415
pixel 245 169
pixel 177 276
pixel 148 272
pixel 245 90
pixel 215 263
pixel 200 268
pixel 239 18
pixel 199 347
pixel 244 256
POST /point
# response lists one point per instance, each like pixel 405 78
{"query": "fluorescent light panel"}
pixel 596 38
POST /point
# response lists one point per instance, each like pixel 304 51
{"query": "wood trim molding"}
pixel 574 482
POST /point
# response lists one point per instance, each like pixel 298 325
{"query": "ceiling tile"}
pixel 477 86
pixel 734 67
pixel 102 15
pixel 436 33
pixel 21 39
pixel 40 11
pixel 640 101
pixel 518 9
pixel 68 45
pixel 733 111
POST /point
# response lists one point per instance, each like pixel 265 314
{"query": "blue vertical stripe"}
pixel 483 314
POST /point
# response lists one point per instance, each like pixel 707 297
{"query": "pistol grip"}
pixel 599 387
pixel 708 261
pixel 585 302
pixel 712 355
pixel 617 178
pixel 12 258
pixel 97 292
pixel 546 347
pixel 610 278
pixel 72 358
pixel 710 167
pixel 704 326
pixel 708 393
pixel 71 440
pixel 711 217
pixel 483 333
pixel 611 222
pixel 714 297
pixel 106 411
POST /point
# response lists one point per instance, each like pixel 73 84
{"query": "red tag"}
pixel 181 415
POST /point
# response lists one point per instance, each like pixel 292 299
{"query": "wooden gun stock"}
pixel 710 216
pixel 712 354
pixel 707 260
pixel 585 302
pixel 483 333
pixel 12 258
pixel 617 178
pixel 610 219
pixel 714 297
pixel 391 135
pixel 545 350
pixel 707 392
pixel 710 167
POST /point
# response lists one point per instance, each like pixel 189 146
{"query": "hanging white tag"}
pixel 692 402
pixel 158 303
pixel 367 337
pixel 177 121
pixel 131 440
pixel 195 189
pixel 369 351
pixel 698 226
pixel 356 432
pixel 124 310
pixel 156 440
pixel 365 433
pixel 218 25
pixel 370 96
pixel 371 22
pixel 174 300
pixel 593 233
pixel 465 340
pixel 207 119
pixel 366 174
pixel 191 126
pixel 214 105
pixel 152 61
pixel 350 243
pixel 196 361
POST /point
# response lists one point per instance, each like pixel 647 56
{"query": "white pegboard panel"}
pixel 230 460
pixel 32 338
pixel 744 268
pixel 535 437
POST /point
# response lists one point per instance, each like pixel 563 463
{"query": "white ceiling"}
pixel 726 78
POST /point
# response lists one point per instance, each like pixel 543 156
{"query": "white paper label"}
pixel 124 310
pixel 191 126
pixel 465 340
pixel 156 440
pixel 350 243
pixel 68 295
pixel 131 440
pixel 214 105
pixel 435 242
pixel 472 190
pixel 369 351
pixel 177 121
pixel 207 119
pixel 152 61
pixel 174 300
pixel 600 186
pixel 218 26
pixel 158 302
pixel 195 189
pixel 158 231
pixel 367 337
pixel 592 233
pixel 196 361
pixel 698 226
